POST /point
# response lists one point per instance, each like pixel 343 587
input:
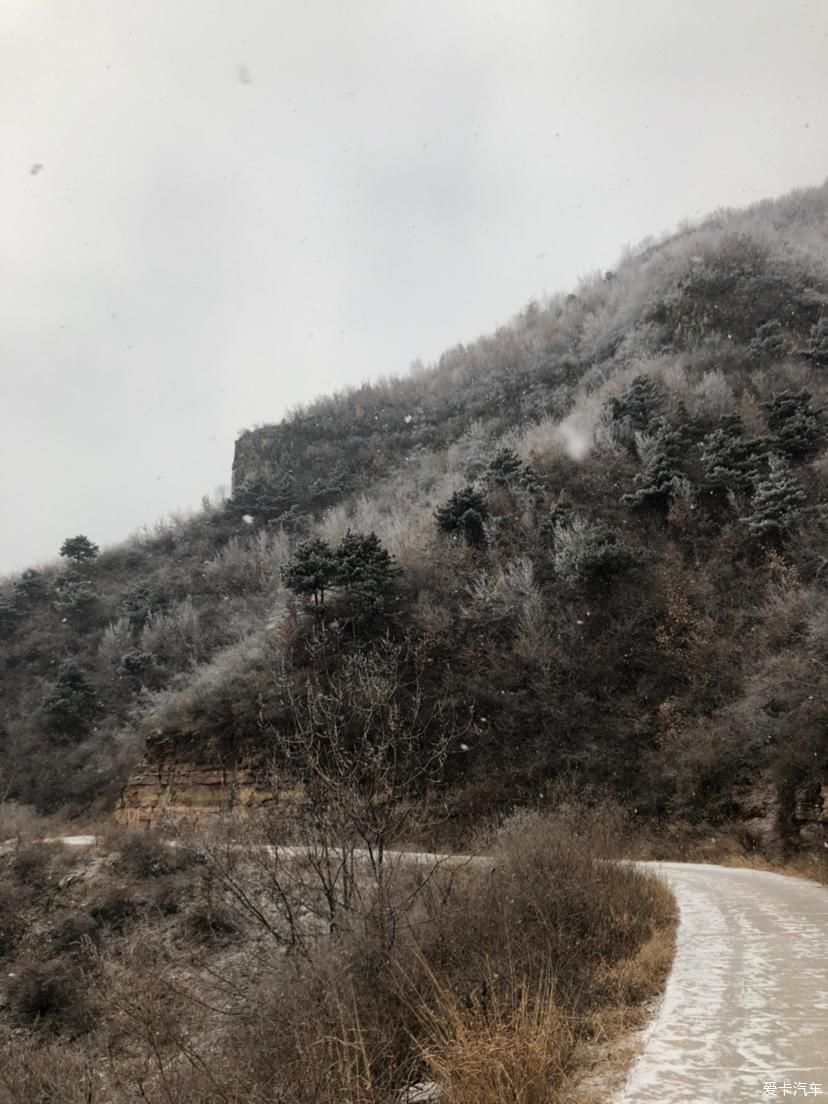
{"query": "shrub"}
pixel 46 995
pixel 11 922
pixel 592 557
pixel 507 598
pixel 144 855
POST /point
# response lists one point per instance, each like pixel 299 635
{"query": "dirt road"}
pixel 745 1013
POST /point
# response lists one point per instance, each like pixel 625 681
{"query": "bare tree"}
pixel 356 775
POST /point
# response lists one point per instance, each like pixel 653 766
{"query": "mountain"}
pixel 598 553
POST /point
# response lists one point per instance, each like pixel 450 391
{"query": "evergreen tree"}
pixel 818 348
pixel 639 404
pixel 660 477
pixel 31 586
pixel 79 548
pixel 72 706
pixel 731 464
pixel 690 428
pixel 505 468
pixel 364 575
pixel 559 517
pixel 329 488
pixel 778 504
pixel 138 667
pixel 769 342
pixel 798 430
pixel 508 471
pixel 75 597
pixel 10 616
pixel 592 557
pixel 464 516
pixel 311 571
pixel 140 602
pixel 264 497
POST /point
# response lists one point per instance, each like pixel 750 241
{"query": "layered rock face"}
pixel 256 453
pixel 811 814
pixel 762 820
pixel 174 792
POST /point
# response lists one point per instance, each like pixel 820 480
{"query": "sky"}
pixel 213 210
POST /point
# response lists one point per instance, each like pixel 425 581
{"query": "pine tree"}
pixel 75 597
pixel 559 517
pixel 592 557
pixel 10 616
pixel 311 571
pixel 661 475
pixel 464 516
pixel 769 342
pixel 506 470
pixel 797 429
pixel 689 427
pixel 818 348
pixel 364 576
pixel 264 498
pixel 31 586
pixel 639 404
pixel 731 463
pixel 138 667
pixel 778 504
pixel 79 548
pixel 72 706
pixel 140 602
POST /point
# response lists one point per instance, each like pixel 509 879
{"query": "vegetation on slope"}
pixel 602 532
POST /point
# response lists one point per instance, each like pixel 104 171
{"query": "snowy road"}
pixel 745 1013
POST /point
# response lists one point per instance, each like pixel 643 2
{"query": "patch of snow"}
pixel 423 1092
pixel 73 841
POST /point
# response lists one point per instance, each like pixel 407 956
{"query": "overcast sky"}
pixel 213 210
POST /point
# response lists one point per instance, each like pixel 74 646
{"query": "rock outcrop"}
pixel 811 814
pixel 175 792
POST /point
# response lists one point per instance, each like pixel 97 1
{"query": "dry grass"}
pixel 512 1047
pixel 813 867
pixel 723 846
pixel 613 1032
pixel 498 980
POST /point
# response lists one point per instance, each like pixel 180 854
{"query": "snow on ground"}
pixel 745 1013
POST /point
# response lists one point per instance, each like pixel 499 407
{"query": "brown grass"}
pixel 512 1047
pixel 500 980
pixel 725 846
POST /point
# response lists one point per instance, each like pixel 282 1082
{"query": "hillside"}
pixel 606 531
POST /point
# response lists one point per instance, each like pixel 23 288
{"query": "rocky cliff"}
pixel 171 793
